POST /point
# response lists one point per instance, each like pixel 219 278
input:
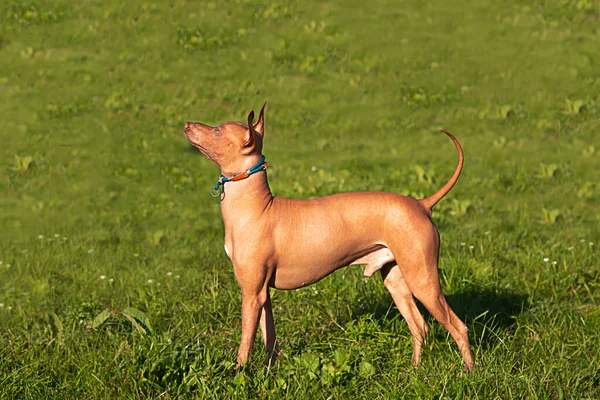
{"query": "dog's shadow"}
pixel 481 309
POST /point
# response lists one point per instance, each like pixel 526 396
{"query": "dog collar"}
pixel 218 189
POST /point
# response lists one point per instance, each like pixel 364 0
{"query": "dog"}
pixel 281 243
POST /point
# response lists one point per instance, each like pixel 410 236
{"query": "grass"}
pixel 113 281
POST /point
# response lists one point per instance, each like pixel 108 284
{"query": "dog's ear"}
pixel 259 127
pixel 249 142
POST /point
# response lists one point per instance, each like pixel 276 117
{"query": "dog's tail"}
pixel 432 200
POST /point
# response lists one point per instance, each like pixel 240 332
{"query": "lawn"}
pixel 113 278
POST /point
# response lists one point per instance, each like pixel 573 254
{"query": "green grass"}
pixel 105 206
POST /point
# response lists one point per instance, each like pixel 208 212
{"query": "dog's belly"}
pixel 307 267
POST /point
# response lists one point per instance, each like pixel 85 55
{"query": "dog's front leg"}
pixel 254 285
pixel 251 307
pixel 267 329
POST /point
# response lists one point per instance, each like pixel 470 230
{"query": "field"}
pixel 113 278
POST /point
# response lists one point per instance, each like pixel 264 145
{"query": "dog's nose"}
pixel 186 126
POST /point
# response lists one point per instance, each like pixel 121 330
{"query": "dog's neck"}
pixel 244 198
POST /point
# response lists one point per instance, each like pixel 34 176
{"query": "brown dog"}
pixel 288 244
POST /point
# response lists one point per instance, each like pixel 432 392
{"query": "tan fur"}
pixel 288 244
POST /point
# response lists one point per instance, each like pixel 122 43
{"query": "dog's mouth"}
pixel 190 134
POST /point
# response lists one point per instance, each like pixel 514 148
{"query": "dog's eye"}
pixel 217 131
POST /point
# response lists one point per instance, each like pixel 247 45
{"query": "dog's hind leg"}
pixel 403 298
pixel 419 266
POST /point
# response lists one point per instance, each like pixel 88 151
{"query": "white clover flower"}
pixel 463 244
pixel 570 248
pixel 591 243
pixel 102 276
pixel 177 276
pixel 90 251
pixel 554 262
pixel 9 308
pixel 169 273
pixel 582 240
pixel 546 259
pixel 1 304
pixel 1 262
pixel 111 280
pixel 471 247
pixel 40 236
pixel 56 235
pixel 487 232
pixel 313 169
pixel 150 281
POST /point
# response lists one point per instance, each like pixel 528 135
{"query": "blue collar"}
pixel 259 166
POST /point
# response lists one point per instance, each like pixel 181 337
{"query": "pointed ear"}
pixel 259 127
pixel 249 142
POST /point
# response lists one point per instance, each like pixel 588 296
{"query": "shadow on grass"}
pixel 486 305
pixel 490 309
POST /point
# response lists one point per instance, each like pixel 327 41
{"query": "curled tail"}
pixel 432 200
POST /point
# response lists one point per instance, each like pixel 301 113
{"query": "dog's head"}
pixel 228 144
